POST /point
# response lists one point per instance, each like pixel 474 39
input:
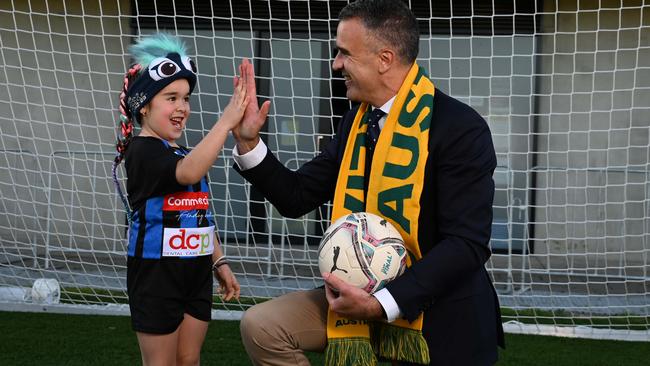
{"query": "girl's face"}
pixel 165 116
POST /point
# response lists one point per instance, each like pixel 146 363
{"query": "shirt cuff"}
pixel 250 159
pixel 388 303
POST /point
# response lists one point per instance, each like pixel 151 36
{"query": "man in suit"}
pixel 448 286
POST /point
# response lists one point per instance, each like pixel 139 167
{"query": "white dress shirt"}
pixel 252 158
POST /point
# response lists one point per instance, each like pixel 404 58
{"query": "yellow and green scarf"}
pixel 394 189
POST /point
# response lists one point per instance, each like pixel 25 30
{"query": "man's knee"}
pixel 291 321
pixel 254 325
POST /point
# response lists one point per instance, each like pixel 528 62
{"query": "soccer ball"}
pixel 364 250
pixel 46 291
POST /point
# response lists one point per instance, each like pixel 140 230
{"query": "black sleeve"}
pixel 465 161
pixel 295 193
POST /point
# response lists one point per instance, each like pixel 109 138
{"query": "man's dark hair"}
pixel 388 20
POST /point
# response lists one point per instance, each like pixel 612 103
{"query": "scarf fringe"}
pixel 401 344
pixel 350 352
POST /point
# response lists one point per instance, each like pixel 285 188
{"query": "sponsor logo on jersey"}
pixel 188 242
pixel 184 201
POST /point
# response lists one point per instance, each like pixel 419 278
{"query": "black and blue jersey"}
pixel 169 219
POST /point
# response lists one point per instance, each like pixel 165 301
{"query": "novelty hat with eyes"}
pixel 163 59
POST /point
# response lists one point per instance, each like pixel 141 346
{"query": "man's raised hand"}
pixel 247 132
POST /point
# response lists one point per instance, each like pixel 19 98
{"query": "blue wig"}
pixel 157 45
pixel 163 59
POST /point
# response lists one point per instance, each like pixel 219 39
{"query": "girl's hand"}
pixel 235 109
pixel 228 285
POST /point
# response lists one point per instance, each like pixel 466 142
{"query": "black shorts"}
pixel 161 291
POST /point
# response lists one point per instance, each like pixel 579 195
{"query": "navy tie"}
pixel 373 130
pixel 372 134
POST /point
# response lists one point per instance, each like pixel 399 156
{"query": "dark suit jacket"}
pixel 450 285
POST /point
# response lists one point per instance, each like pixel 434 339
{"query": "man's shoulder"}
pixel 454 121
pixel 451 109
pixel 442 100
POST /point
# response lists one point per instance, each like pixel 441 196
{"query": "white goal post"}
pixel 564 86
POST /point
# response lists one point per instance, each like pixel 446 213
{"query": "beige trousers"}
pixel 277 331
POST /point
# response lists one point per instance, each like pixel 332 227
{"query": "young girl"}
pixel 173 249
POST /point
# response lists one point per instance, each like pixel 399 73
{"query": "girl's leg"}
pixel 191 335
pixel 158 349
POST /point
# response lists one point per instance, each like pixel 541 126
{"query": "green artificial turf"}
pixel 64 339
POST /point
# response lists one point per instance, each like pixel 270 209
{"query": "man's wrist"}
pixel 244 146
pixel 388 305
pixel 377 311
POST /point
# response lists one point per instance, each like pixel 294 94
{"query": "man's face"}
pixel 357 59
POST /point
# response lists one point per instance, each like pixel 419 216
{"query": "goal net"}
pixel 564 86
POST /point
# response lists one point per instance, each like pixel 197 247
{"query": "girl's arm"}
pixel 228 284
pixel 195 165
